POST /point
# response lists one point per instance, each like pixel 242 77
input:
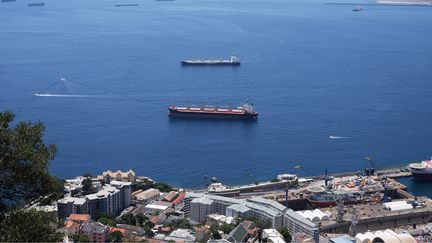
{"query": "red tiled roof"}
pixel 113 229
pixel 80 217
pixel 155 219
pixel 165 229
pixel 170 196
pixel 71 224
pixel 178 199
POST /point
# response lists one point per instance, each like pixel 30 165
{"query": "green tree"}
pixel 285 233
pixel 87 184
pixel 163 187
pixel 80 238
pixel 262 224
pixel 140 218
pixel 216 235
pixel 116 236
pixel 29 225
pixel 24 179
pixel 128 219
pixel 148 232
pixel 149 224
pixel 226 228
pixel 107 221
pixel 24 161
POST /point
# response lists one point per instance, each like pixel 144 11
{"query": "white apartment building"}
pixel 198 206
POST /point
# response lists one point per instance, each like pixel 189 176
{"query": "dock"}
pixel 379 183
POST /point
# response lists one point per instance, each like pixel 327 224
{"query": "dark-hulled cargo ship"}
pixel 244 112
pixel 233 61
pixel 422 171
pixel 41 4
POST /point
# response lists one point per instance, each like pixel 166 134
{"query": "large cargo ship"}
pixel 36 4
pixel 234 60
pixel 422 171
pixel 244 112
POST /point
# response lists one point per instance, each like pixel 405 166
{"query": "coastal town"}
pixel 216 121
pixel 368 206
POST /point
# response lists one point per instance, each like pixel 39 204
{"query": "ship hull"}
pixel 36 4
pixel 202 115
pixel 186 63
pixel 422 176
pixel 322 204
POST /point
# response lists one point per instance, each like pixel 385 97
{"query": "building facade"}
pixel 72 205
pixel 96 232
pixel 108 176
pixel 197 206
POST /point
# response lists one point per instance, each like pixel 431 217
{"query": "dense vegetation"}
pixel 182 223
pixel 25 178
pixel 285 233
pixel 80 238
pixel 150 184
pixel 29 225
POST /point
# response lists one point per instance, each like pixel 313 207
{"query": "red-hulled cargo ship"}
pixel 244 112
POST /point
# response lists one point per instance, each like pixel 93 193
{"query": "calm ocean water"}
pixel 312 70
pixel 417 188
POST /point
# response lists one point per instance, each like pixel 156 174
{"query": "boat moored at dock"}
pixel 422 171
pixel 280 183
pixel 244 112
pixel 233 61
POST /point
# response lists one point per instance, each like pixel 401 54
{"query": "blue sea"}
pixel 331 85
pixel 417 188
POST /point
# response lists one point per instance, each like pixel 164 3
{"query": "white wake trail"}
pixel 337 137
pixel 64 95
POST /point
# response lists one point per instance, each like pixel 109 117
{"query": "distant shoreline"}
pixel 406 2
pixel 403 3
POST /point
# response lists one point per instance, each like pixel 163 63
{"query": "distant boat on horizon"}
pixel 357 8
pixel 234 60
pixel 36 4
pixel 126 4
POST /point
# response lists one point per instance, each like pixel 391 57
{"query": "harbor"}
pixel 355 188
pixel 346 204
pixel 100 144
